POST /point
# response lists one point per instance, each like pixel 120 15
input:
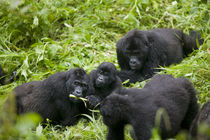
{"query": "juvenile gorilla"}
pixel 104 81
pixel 50 98
pixel 140 52
pixel 202 118
pixel 138 107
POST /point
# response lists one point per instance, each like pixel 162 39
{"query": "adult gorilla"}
pixel 50 98
pixel 139 52
pixel 175 98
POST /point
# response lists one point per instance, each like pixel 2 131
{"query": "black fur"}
pixel 203 117
pixel 138 107
pixel 140 52
pixel 50 97
pixel 1 76
pixel 99 90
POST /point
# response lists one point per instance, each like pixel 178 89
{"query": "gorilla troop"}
pixel 50 98
pixel 139 52
pixel 138 107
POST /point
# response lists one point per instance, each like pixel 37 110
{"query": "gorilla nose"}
pixel 78 93
pixel 133 61
pixel 100 78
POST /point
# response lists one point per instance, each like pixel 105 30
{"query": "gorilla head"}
pixel 135 47
pixel 105 74
pixel 104 81
pixel 111 109
pixel 77 83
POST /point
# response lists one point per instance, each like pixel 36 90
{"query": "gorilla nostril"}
pixel 133 61
pixel 78 93
pixel 100 79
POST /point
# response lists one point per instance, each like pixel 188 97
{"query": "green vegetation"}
pixel 41 37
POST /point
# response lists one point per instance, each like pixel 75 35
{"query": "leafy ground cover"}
pixel 41 37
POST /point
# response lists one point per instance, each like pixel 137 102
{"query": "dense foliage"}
pixel 41 37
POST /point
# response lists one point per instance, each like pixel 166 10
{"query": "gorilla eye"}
pixel 85 85
pixel 76 83
pixel 135 52
pixel 100 72
pixel 128 52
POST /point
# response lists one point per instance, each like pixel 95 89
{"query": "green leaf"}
pixel 36 21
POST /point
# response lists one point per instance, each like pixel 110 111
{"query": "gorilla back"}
pixel 140 52
pixel 50 98
pixel 138 107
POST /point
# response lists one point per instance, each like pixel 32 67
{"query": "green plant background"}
pixel 41 37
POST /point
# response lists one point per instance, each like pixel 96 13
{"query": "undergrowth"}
pixel 41 37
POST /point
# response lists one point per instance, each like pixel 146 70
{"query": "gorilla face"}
pixel 102 78
pixel 135 62
pixel 105 74
pixel 136 49
pixel 79 88
pixel 77 84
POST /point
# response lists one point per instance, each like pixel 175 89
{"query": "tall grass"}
pixel 41 37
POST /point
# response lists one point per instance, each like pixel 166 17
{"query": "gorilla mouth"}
pixel 133 67
pixel 99 84
pixel 76 97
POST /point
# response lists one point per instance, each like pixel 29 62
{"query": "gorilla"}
pixel 50 97
pixel 138 107
pixel 103 80
pixel 139 52
pixel 202 118
pixel 3 77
